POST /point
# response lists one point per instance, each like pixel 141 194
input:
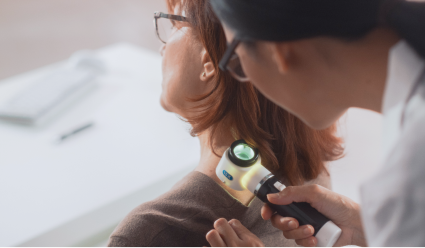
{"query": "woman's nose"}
pixel 161 49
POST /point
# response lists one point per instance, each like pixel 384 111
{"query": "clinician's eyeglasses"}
pixel 231 62
pixel 164 25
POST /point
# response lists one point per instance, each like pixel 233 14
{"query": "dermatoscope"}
pixel 240 168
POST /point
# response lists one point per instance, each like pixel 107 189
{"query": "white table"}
pixel 75 192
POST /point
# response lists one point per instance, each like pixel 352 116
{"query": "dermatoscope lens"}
pixel 244 152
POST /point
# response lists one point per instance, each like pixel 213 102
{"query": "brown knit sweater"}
pixel 184 215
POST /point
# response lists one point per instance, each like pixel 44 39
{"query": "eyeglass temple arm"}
pixel 228 54
pixel 169 16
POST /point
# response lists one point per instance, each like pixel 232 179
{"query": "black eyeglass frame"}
pixel 228 54
pixel 157 15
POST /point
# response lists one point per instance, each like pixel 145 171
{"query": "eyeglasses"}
pixel 231 62
pixel 164 25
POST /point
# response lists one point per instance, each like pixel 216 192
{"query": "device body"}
pixel 246 172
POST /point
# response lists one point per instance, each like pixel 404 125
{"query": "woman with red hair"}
pixel 220 111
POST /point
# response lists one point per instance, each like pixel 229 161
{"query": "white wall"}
pixel 34 33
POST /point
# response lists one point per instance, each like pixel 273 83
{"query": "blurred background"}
pixel 35 33
pixel 74 192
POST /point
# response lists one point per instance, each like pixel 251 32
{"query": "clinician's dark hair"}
pixel 285 20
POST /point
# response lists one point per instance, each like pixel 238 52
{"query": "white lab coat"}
pixel 393 201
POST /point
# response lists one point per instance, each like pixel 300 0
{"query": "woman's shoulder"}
pixel 140 227
pixel 184 210
pixel 170 236
pixel 152 231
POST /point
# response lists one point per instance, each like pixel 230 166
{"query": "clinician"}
pixel 317 59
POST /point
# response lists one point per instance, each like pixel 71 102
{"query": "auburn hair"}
pixel 289 148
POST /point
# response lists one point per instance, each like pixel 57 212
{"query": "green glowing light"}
pixel 244 152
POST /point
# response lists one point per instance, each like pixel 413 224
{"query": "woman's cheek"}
pixel 164 104
pixel 180 69
pixel 166 78
pixel 171 96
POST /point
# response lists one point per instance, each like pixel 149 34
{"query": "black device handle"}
pixel 303 212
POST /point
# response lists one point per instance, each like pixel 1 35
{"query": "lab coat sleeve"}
pixel 393 202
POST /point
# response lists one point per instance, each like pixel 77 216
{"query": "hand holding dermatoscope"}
pixel 240 168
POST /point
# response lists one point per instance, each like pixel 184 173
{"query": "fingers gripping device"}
pixel 240 168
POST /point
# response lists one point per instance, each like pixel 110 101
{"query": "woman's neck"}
pixel 209 161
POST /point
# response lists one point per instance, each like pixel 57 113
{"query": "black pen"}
pixel 75 131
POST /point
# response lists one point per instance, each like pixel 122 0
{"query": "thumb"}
pixel 305 193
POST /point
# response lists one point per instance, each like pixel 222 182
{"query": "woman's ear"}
pixel 281 54
pixel 208 67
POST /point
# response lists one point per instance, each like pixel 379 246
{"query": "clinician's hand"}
pixel 231 233
pixel 340 209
